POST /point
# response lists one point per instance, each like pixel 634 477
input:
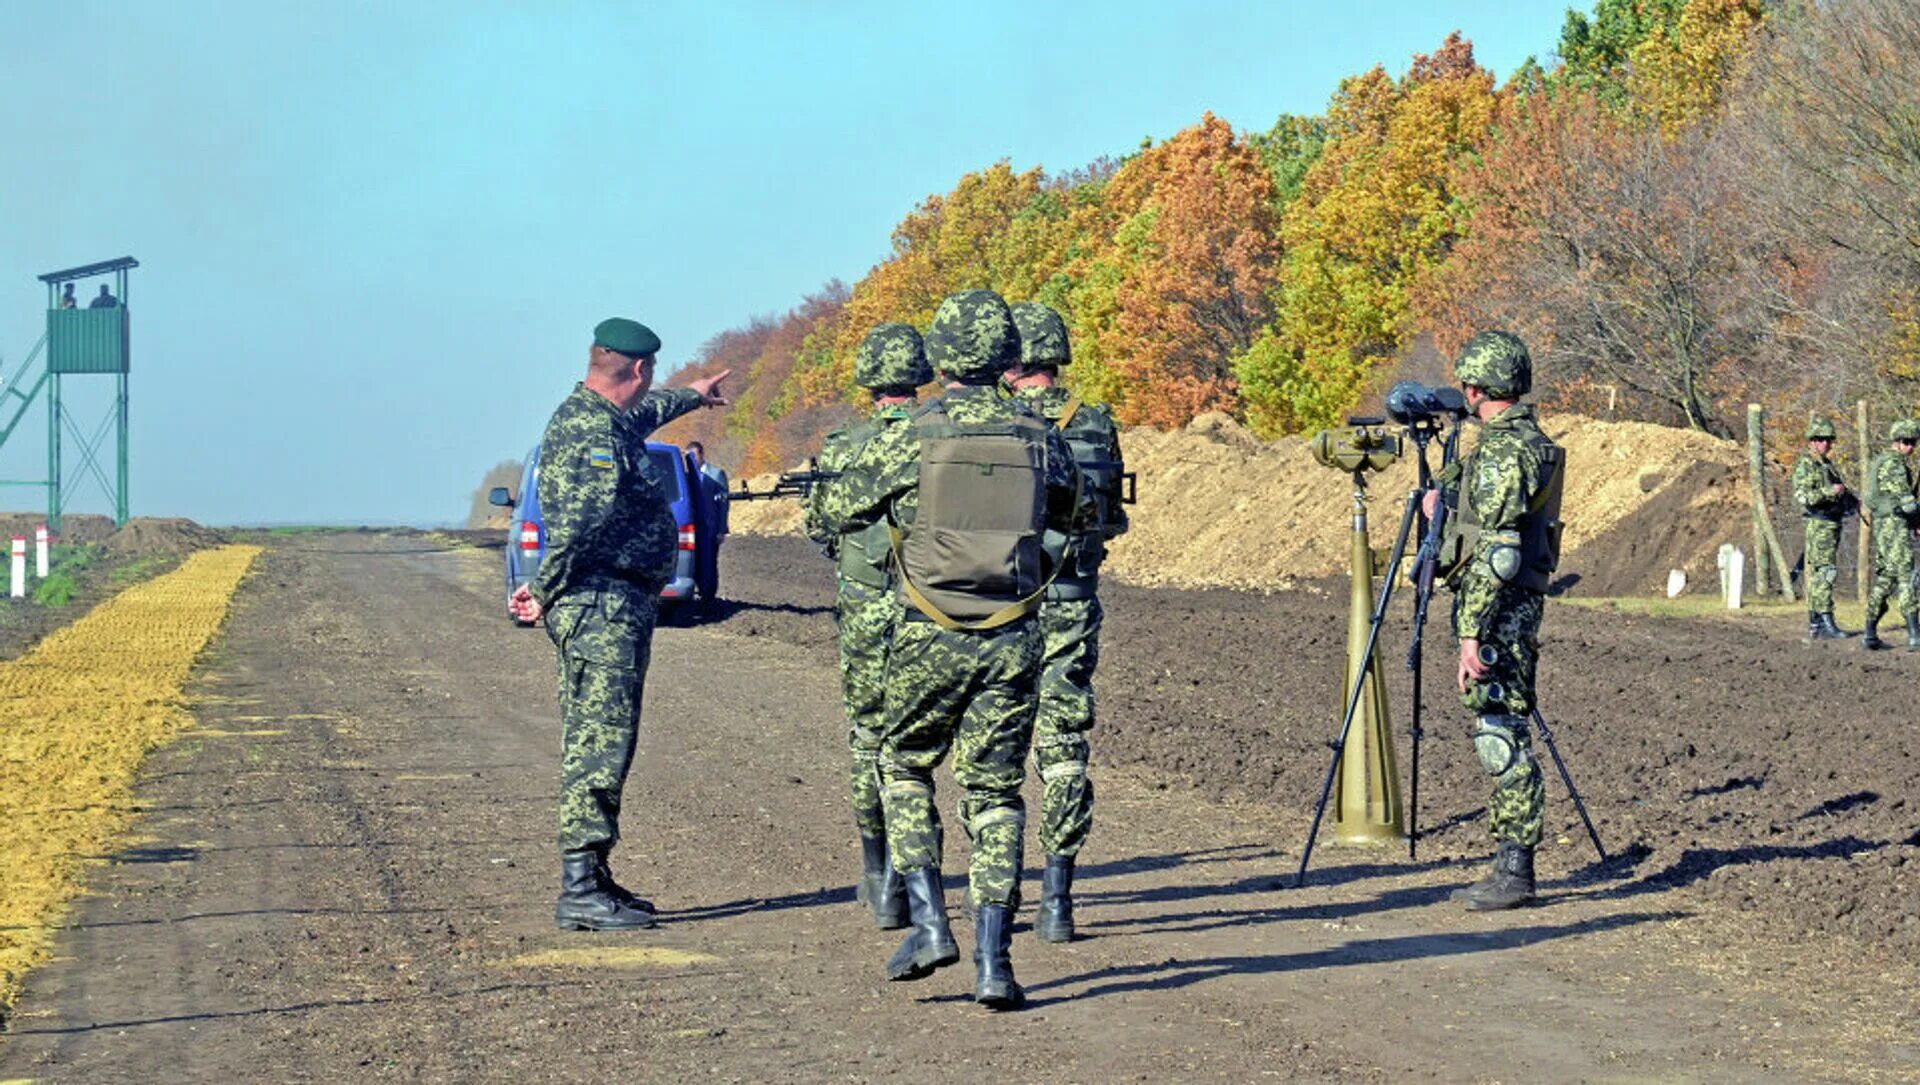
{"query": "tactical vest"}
pixel 1090 435
pixel 971 558
pixel 1539 529
pixel 865 554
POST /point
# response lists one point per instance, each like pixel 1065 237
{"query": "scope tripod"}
pixel 1422 434
pixel 1425 567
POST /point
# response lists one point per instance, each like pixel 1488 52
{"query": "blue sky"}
pixel 375 237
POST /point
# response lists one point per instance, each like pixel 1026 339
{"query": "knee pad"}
pixel 996 815
pixel 1494 742
pixel 1063 770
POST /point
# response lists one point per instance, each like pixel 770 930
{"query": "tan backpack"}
pixel 972 560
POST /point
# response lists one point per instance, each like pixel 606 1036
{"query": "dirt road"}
pixel 347 872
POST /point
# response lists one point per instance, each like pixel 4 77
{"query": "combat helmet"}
pixel 891 357
pixel 1820 430
pixel 1497 362
pixel 1905 430
pixel 1043 336
pixel 972 338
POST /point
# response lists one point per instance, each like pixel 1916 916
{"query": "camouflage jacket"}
pixel 1813 479
pixel 605 508
pixel 881 481
pixel 1504 476
pixel 1892 487
pixel 837 455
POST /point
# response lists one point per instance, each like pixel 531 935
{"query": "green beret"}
pixel 628 337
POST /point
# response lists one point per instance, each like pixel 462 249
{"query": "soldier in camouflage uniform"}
pixel 610 549
pixel 1825 505
pixel 1070 615
pixel 1503 542
pixel 1896 516
pixel 965 659
pixel 892 364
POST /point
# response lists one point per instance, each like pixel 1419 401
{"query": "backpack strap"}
pixel 1066 414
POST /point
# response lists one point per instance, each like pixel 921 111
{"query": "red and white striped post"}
pixel 40 551
pixel 19 566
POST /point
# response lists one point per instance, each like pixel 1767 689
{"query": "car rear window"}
pixel 667 471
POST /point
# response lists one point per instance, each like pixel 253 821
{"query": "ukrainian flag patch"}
pixel 600 457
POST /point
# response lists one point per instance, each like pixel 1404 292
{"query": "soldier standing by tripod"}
pixel 1501 547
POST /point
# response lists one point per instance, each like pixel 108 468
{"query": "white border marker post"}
pixel 19 566
pixel 40 552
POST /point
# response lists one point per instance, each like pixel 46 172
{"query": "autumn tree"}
pixel 1375 215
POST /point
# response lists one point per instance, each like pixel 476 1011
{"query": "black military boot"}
pixel 993 985
pixel 618 891
pixel 1870 640
pixel 880 889
pixel 1821 627
pixel 1913 634
pixel 1053 920
pixel 930 944
pixel 585 902
pixel 1508 885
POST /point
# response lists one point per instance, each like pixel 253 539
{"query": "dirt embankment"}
pixel 1221 508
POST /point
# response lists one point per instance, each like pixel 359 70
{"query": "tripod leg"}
pixel 1540 724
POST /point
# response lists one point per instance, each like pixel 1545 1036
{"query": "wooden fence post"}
pixel 1863 571
pixel 1765 543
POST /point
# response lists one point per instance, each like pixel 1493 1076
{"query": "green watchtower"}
pixel 86 337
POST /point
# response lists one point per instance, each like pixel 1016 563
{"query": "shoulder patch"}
pixel 601 458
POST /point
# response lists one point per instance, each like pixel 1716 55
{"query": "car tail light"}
pixel 686 536
pixel 529 535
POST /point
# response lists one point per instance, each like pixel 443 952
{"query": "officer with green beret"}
pixel 1896 519
pixel 610 548
pixel 1825 504
pixel 1501 547
pixel 891 365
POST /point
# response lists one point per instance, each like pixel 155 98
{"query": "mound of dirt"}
pixel 1221 508
pixel 169 535
pixel 782 517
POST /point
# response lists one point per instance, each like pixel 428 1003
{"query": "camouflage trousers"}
pixel 1822 560
pixel 974 694
pixel 865 616
pixel 1893 576
pixel 605 639
pixel 1070 631
pixel 1502 702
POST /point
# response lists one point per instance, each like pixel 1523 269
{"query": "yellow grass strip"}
pixel 78 713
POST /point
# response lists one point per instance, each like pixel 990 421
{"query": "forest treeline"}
pixel 1700 203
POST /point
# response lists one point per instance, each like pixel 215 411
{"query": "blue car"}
pixel 527 533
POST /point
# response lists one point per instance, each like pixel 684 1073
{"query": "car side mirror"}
pixel 499 496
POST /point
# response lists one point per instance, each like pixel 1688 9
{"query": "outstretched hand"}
pixel 709 389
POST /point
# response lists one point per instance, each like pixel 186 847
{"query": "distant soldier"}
pixel 711 509
pixel 1501 547
pixel 1070 616
pixel 969 485
pixel 1826 504
pixel 1896 515
pixel 104 299
pixel 610 549
pixel 892 365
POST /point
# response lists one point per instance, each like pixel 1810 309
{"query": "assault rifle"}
pixel 794 484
